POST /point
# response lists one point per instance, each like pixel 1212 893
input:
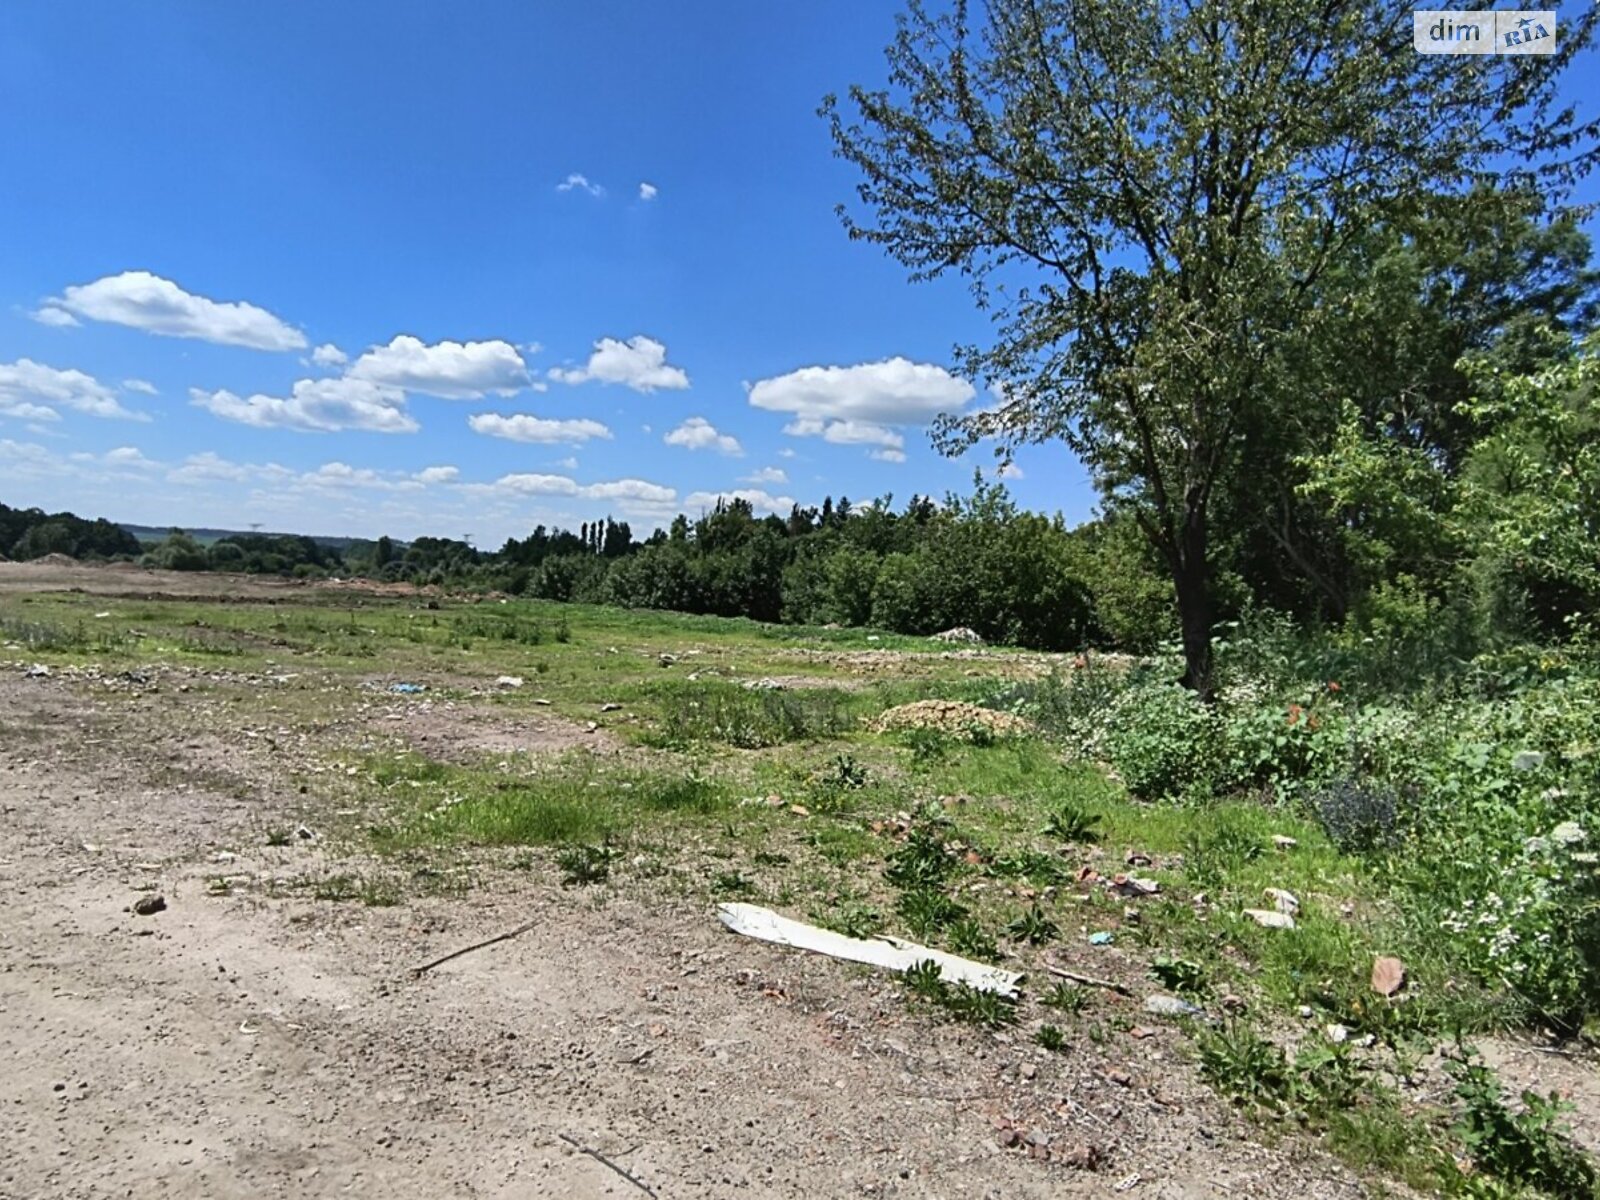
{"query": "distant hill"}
pixel 155 533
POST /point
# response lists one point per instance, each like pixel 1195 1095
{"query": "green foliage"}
pixel 1033 926
pixel 746 718
pixel 851 918
pixel 1180 975
pixel 28 533
pixel 967 937
pixel 1526 1147
pixel 584 864
pixel 1162 741
pixel 1073 823
pixel 1243 1066
pixel 927 911
pixel 1066 997
pixel 923 860
pixel 1051 1038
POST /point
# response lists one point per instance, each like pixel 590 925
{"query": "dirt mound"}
pixel 53 560
pixel 959 634
pixel 950 716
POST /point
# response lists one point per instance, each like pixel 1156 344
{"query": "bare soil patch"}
pixel 248 1041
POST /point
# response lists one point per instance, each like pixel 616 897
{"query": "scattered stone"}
pixel 1305 1012
pixel 1284 842
pixel 959 634
pixel 666 660
pixel 767 684
pixel 1084 1157
pixel 305 833
pixel 610 706
pixel 1337 1033
pixel 1285 902
pixel 1131 916
pixel 508 681
pixel 408 689
pixel 1170 1006
pixel 1137 858
pixel 591 727
pixel 1270 919
pixel 38 671
pixel 1133 885
pixel 149 906
pixel 1101 938
pixel 1527 760
pixel 1120 1078
pixel 1233 1003
pixel 1388 975
pixel 954 717
pixel 1029 1070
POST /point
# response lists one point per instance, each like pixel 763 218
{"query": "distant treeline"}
pixel 979 562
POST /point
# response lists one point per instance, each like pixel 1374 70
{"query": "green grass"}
pixel 718 791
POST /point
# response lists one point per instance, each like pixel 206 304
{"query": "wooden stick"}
pixel 604 1161
pixel 1089 980
pixel 499 937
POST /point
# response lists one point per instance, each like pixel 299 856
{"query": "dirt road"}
pixel 248 1041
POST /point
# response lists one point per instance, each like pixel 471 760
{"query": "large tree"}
pixel 1154 201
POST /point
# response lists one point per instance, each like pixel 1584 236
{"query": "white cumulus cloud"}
pixel 639 363
pixel 525 427
pixel 846 433
pixel 890 455
pixel 128 456
pixel 697 433
pixel 34 391
pixel 580 183
pixel 1010 471
pixel 210 467
pixel 648 191
pixel 895 391
pixel 49 315
pixel 145 301
pixel 139 385
pixel 329 355
pixel 767 475
pixel 450 370
pixel 631 489
pixel 438 475
pixel 316 406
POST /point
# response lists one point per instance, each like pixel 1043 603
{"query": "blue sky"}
pixel 365 268
pixel 421 268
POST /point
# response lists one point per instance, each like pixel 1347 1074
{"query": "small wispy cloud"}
pixel 648 191
pixel 580 183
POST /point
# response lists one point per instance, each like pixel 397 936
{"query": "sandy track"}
pixel 245 1046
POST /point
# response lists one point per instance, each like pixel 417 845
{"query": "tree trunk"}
pixel 1192 576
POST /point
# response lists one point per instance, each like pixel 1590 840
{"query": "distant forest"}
pixel 1014 577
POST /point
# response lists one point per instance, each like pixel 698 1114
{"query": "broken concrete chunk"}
pixel 1285 902
pixel 1388 975
pixel 1270 919
pixel 1170 1006
pixel 752 920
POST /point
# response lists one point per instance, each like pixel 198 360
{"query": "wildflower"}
pixel 1294 714
pixel 1568 833
pixel 1332 686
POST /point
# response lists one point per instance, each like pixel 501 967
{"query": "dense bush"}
pixel 1476 797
